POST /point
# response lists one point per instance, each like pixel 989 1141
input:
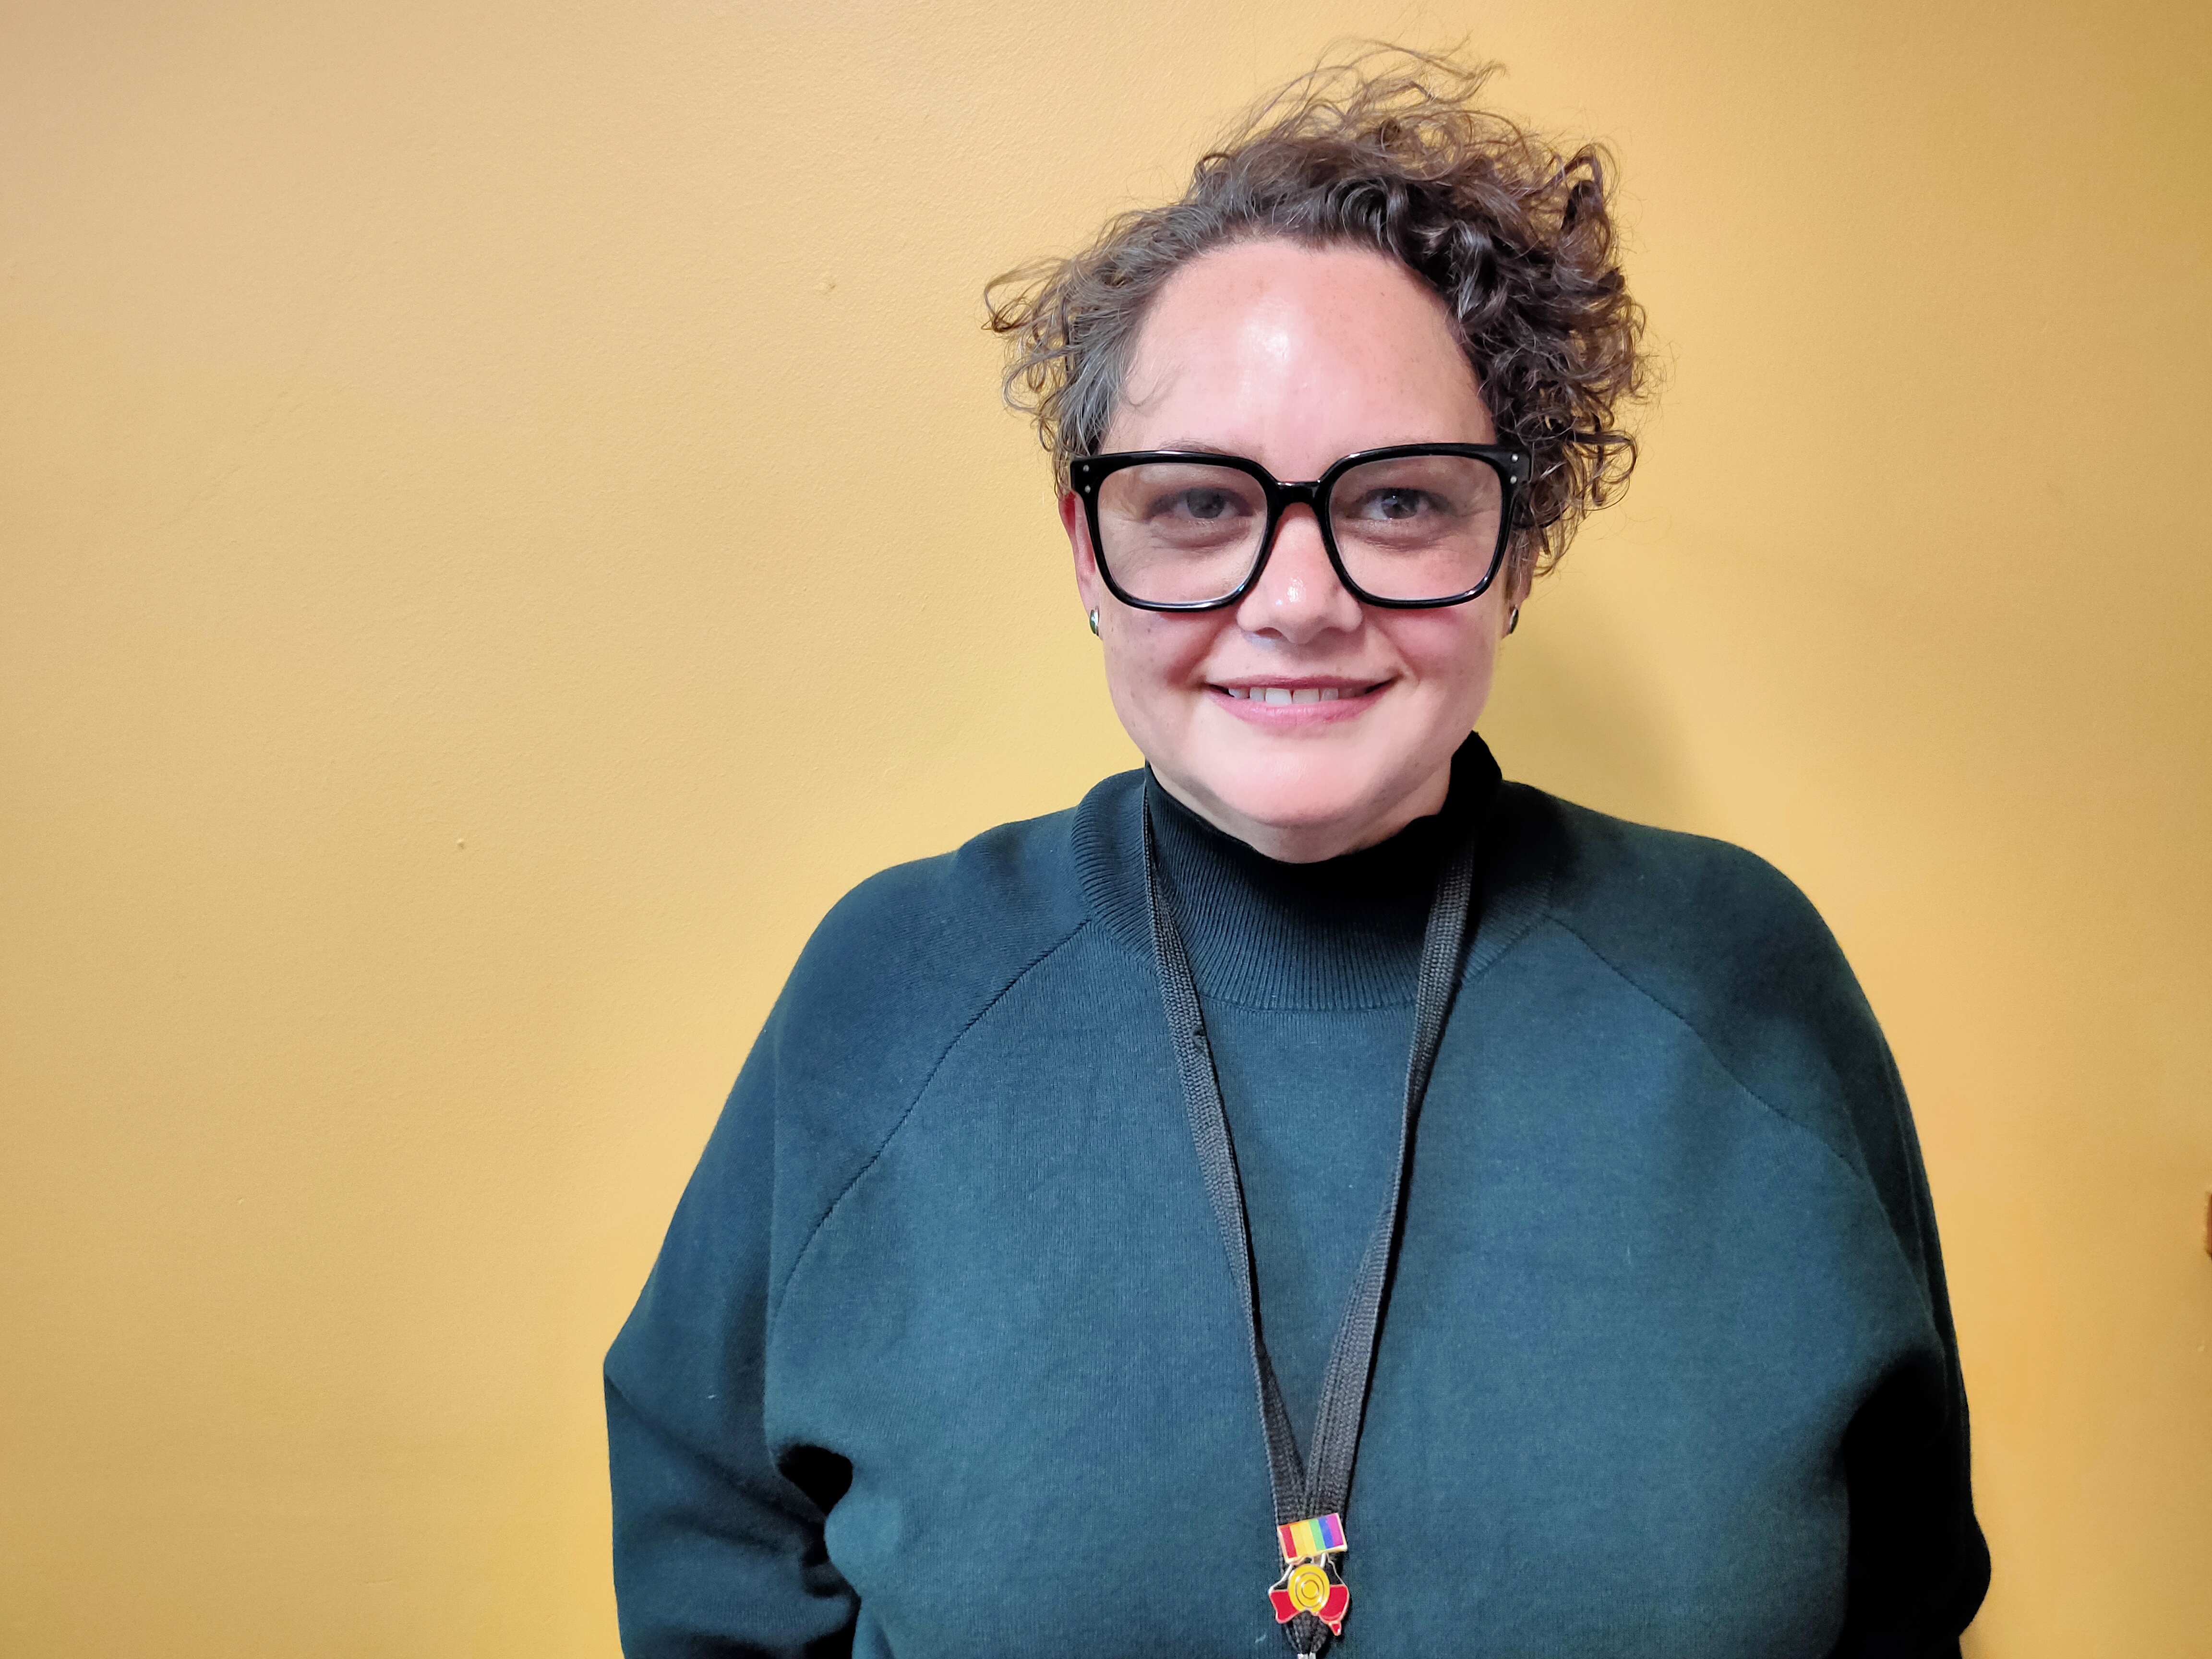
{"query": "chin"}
pixel 1302 792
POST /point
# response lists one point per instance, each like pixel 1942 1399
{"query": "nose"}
pixel 1298 597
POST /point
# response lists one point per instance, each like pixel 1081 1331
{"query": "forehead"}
pixel 1300 347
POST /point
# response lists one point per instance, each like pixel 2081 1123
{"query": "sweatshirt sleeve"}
pixel 1727 944
pixel 717 1550
pixel 1918 1566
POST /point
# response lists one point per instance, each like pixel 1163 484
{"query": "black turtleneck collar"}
pixel 1343 932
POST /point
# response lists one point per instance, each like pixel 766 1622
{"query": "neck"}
pixel 1311 843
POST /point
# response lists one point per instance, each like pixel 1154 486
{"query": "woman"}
pixel 1552 1168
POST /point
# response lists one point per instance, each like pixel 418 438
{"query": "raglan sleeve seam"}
pixel 1860 1178
pixel 799 1259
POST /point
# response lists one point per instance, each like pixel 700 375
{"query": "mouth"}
pixel 1249 698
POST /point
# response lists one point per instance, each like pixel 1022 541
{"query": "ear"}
pixel 1073 520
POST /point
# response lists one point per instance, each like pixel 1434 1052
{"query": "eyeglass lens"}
pixel 1407 527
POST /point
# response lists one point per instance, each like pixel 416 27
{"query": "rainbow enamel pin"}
pixel 1309 1583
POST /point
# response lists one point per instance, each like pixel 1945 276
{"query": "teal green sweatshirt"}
pixel 942 1355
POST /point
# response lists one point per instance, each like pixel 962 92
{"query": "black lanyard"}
pixel 1299 1495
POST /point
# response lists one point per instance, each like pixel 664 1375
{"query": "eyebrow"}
pixel 1197 446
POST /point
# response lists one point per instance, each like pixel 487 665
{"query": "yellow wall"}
pixel 503 517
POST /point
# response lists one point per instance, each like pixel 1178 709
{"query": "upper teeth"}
pixel 1285 694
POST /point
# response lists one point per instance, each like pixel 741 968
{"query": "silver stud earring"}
pixel 1512 618
pixel 1094 624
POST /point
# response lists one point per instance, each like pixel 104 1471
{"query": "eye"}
pixel 1188 503
pixel 1203 502
pixel 1395 504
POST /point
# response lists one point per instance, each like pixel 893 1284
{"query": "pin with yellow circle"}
pixel 1309 1583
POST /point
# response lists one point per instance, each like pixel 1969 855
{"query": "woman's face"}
pixel 1295 357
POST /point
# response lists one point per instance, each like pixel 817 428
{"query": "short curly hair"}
pixel 1388 150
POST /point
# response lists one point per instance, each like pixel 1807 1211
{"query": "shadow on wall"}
pixel 1574 712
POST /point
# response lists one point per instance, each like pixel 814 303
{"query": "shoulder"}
pixel 899 972
pixel 1699 916
pixel 925 945
pixel 1725 944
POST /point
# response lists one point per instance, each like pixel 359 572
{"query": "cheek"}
pixel 1447 649
pixel 1149 655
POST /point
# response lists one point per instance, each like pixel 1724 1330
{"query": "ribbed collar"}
pixel 1345 932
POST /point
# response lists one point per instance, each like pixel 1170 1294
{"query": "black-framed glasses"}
pixel 1410 526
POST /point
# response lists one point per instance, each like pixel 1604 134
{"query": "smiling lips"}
pixel 1281 696
pixel 1285 693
